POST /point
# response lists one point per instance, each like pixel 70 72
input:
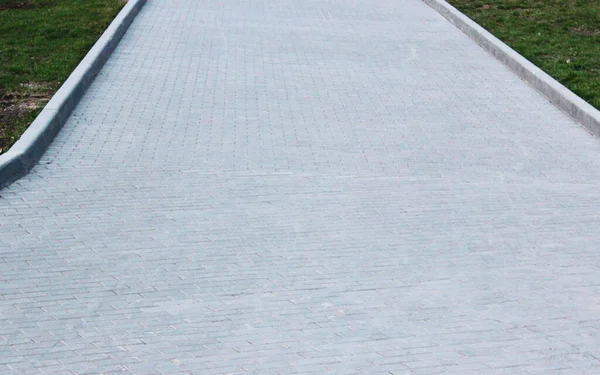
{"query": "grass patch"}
pixel 562 37
pixel 41 43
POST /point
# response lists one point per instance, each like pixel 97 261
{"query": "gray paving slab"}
pixel 304 187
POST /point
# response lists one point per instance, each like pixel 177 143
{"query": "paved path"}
pixel 304 186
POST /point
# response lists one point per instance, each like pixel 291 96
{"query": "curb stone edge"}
pixel 563 98
pixel 27 151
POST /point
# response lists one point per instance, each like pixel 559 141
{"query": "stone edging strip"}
pixel 559 95
pixel 28 150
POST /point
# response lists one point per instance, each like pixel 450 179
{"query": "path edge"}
pixel 27 151
pixel 563 98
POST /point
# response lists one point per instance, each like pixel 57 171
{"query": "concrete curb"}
pixel 559 95
pixel 28 150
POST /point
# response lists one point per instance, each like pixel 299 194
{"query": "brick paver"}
pixel 304 186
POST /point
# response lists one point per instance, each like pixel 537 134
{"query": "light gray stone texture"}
pixel 304 187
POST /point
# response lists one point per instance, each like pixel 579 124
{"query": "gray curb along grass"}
pixel 559 95
pixel 28 150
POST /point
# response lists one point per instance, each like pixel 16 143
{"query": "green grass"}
pixel 41 43
pixel 562 37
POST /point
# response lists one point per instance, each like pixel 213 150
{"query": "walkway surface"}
pixel 304 186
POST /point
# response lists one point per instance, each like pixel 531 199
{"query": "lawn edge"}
pixel 563 98
pixel 27 151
